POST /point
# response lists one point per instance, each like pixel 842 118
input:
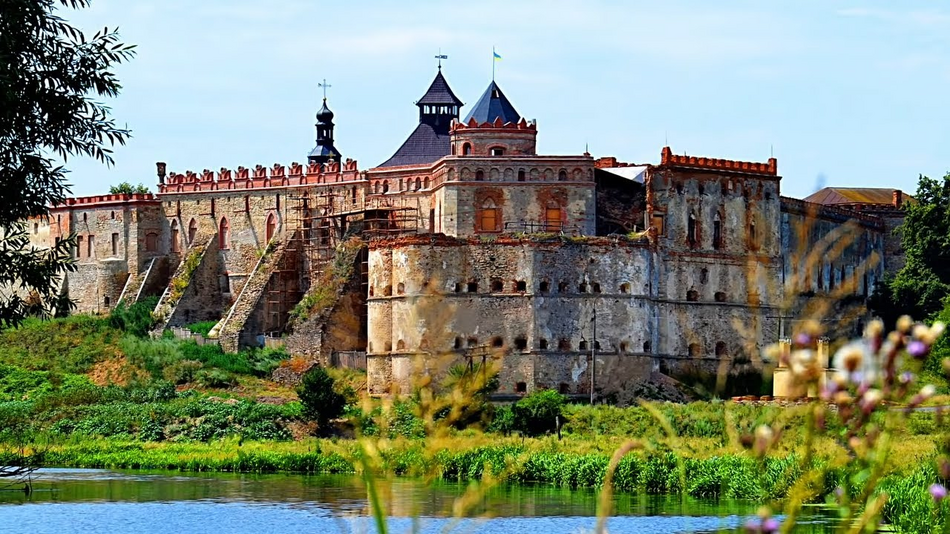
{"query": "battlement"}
pixel 261 177
pixel 521 126
pixel 103 200
pixel 668 158
pixel 610 162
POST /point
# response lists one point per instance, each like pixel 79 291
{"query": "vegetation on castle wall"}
pixel 323 292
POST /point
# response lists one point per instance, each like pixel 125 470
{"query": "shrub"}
pixel 182 372
pixel 202 328
pixel 135 319
pixel 320 402
pixel 215 378
pixel 538 412
pixel 503 420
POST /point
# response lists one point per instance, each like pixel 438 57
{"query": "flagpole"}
pixel 493 64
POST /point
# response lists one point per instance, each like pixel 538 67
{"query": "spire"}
pixel 439 105
pixel 324 151
pixel 493 104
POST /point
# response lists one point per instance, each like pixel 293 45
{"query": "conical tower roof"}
pixel 493 104
pixel 439 93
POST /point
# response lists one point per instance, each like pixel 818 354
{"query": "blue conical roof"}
pixel 493 104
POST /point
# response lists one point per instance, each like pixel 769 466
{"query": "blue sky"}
pixel 844 93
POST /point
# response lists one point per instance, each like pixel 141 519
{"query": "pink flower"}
pixel 938 492
pixel 917 349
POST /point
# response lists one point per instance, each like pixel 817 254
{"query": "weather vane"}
pixel 324 86
pixel 440 57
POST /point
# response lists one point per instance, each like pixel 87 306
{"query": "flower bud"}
pixel 918 349
pixel 904 324
pixel 938 492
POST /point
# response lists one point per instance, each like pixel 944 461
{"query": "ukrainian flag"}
pixel 495 54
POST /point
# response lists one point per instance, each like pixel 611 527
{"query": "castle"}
pixel 587 275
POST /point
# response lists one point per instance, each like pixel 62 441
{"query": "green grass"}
pixel 203 327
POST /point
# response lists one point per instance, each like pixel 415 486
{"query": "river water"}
pixel 94 500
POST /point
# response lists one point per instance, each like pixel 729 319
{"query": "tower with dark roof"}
pixel 430 140
pixel 324 151
pixel 492 105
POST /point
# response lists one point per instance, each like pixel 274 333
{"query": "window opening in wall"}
pixel 544 286
pixel 458 287
pixel 562 287
pixel 717 232
pixel 721 349
pixel 371 291
pixel 389 347
pixel 497 342
pixel 36 228
pixel 582 287
pixel 376 188
pixel 694 350
pixel 543 344
pixel 115 244
pixel 79 246
pixel 521 286
pixel 679 188
pixel 700 189
pixel 703 276
pixel 400 345
pixel 691 230
pixel 277 200
pixel 497 151
pixel 471 342
pixel 563 388
pixel 192 231
pixel 479 175
pixel 720 296
pixel 521 387
pixel 90 246
pixel 564 344
pixel 497 286
pixel 521 175
pixel 647 346
pixel 561 176
pixel 418 184
pixel 112 215
pixel 85 217
pixel 487 217
pixel 388 291
pixel 692 295
pixel 385 186
pixel 106 301
pixel 224 234
pixel 596 287
pixel 425 183
pixel 472 287
pixel 458 343
pixel 624 346
pixel 174 236
pixel 400 288
pixel 582 345
pixel 625 288
pixel 521 343
pixel 831 278
pixel 212 207
pixel 466 149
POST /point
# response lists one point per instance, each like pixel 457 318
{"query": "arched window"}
pixel 717 232
pixel 418 184
pixel 692 295
pixel 271 227
pixel 691 229
pixel 386 186
pixel 521 175
pixel 487 216
pixel 175 237
pixel 192 231
pixel 694 350
pixel 479 175
pixel 400 345
pixel 466 149
pixel 721 349
pixel 562 176
pixel 224 234
pixel 453 150
pixel 497 151
pixel 552 218
pixel 425 183
pixel 376 188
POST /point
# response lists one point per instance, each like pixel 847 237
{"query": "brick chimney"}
pixel 897 198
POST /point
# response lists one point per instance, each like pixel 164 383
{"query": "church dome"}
pixel 324 116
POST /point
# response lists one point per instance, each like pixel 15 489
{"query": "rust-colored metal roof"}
pixel 856 195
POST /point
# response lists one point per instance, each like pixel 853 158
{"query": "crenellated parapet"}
pixel 493 138
pixel 96 201
pixel 521 125
pixel 831 212
pixel 668 158
pixel 261 177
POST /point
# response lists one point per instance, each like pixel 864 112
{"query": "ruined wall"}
pixel 534 301
pixel 204 298
pixel 522 208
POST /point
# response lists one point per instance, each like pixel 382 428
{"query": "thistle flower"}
pixel 904 324
pixel 938 492
pixel 918 349
pixel 851 357
pixel 870 400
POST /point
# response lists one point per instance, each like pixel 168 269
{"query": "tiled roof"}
pixel 854 195
pixel 439 93
pixel 491 105
pixel 423 146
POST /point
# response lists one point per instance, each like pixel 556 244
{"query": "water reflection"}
pixel 79 500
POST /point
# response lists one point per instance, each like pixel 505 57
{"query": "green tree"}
pixel 125 188
pixel 923 283
pixel 537 413
pixel 320 402
pixel 52 78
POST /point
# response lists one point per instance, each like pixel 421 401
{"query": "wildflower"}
pixel 904 324
pixel 763 439
pixel 802 339
pixel 906 377
pixel 928 391
pixel 921 331
pixel 850 357
pixel 917 349
pixel 938 492
pixel 930 334
pixel 870 400
pixel 874 329
pixel 804 365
